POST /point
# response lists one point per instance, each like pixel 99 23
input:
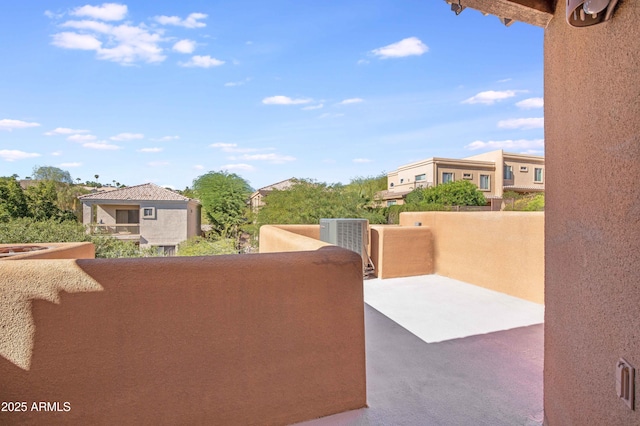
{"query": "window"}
pixel 391 185
pixel 149 213
pixel 421 177
pixel 524 169
pixel 537 175
pixel 391 203
pixel 127 216
pixel 508 172
pixel 447 177
pixel 467 176
pixel 485 182
pixel 401 180
pixel 166 250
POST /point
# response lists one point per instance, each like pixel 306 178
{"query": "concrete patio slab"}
pixel 436 308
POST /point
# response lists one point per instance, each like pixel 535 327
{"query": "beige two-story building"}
pixel 493 173
pixel 147 214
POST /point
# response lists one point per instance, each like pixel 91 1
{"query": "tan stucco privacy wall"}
pixel 592 143
pixel 231 340
pixel 401 251
pixel 54 251
pixel 284 238
pixel 502 251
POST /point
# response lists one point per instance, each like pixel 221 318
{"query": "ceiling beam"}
pixel 534 12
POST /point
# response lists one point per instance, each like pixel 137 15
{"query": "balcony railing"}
pixel 115 229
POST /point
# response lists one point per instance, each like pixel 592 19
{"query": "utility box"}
pixel 351 234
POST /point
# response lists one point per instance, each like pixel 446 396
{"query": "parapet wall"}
pixel 285 238
pixel 234 340
pixel 54 251
pixel 502 251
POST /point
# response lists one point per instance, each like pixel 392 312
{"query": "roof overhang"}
pixel 534 12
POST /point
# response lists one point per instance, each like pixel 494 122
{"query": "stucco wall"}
pixel 502 251
pixel 284 238
pixel 228 340
pixel 169 227
pixel 592 143
pixel 55 251
pixel 401 251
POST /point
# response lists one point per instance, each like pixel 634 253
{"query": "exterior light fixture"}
pixel 584 13
pixel 456 8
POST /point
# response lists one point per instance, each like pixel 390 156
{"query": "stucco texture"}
pixel 401 251
pixel 502 251
pixel 592 140
pixel 264 339
pixel 55 251
pixel 286 238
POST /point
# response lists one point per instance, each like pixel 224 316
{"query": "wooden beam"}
pixel 534 12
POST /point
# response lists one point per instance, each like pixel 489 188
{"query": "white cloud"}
pixel 284 100
pixel 165 139
pixel 520 144
pixel 201 62
pixel 237 83
pixel 530 103
pixel 351 101
pixel 69 165
pixel 241 166
pixel 185 46
pixel 490 97
pixel 273 158
pixel 312 107
pixel 158 163
pixel 8 124
pixel 124 44
pixel 127 137
pixel 106 12
pixel 64 131
pixel 81 138
pixel 95 26
pixel 155 149
pixel 191 21
pixel 411 46
pixel 56 153
pixel 67 40
pixel 362 62
pixel 132 44
pixel 101 145
pixel 330 115
pixel 198 167
pixel 522 123
pixel 362 160
pixel 505 80
pixel 227 147
pixel 14 154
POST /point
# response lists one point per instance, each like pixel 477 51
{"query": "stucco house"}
pixel 493 173
pixel 148 214
pixel 256 199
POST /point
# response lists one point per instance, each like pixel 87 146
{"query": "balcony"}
pixel 279 338
pixel 122 231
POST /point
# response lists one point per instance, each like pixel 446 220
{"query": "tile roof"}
pixel 144 192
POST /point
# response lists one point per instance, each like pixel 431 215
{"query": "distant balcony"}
pixel 123 231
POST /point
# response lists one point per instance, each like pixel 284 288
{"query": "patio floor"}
pixel 443 352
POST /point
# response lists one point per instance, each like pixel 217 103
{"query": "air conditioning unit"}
pixel 351 234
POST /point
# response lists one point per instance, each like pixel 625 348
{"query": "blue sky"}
pixel 165 91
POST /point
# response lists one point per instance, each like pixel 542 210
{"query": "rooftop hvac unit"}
pixel 352 234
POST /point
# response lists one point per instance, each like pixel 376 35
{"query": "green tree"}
pixel 13 202
pixel 306 202
pixel 51 173
pixel 199 246
pixel 224 199
pixel 458 193
pixel 367 188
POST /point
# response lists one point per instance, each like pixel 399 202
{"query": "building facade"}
pixel 493 173
pixel 147 214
